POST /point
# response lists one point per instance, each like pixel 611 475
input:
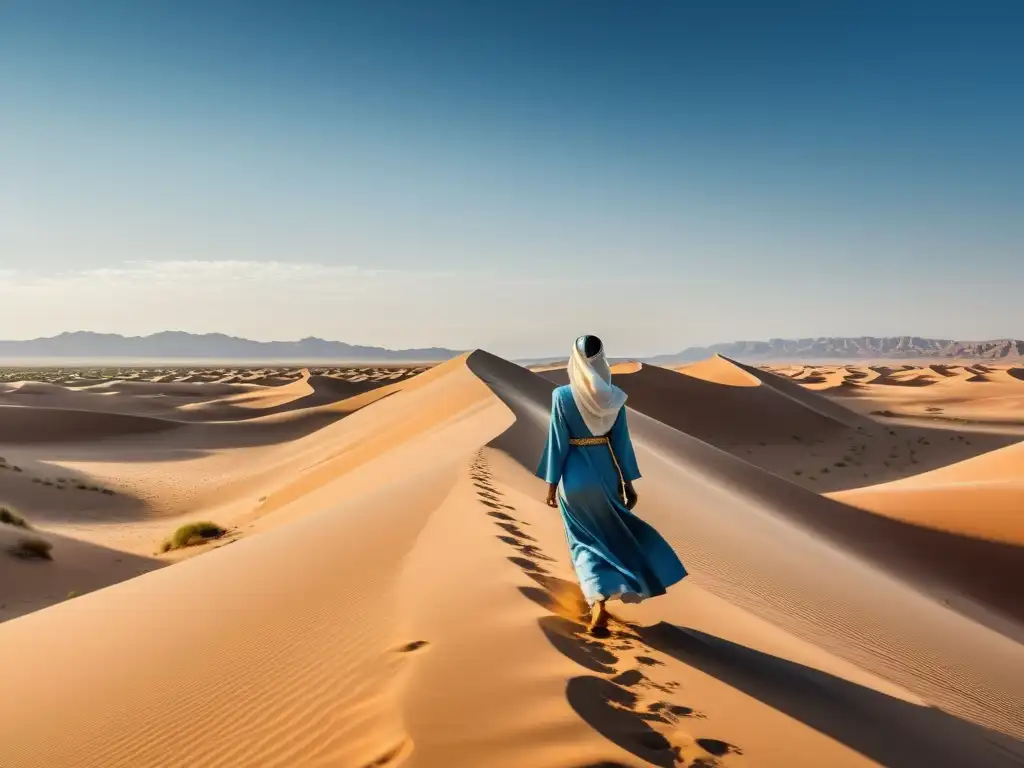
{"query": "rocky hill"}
pixel 177 345
pixel 847 348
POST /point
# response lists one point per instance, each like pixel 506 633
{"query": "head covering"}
pixel 590 379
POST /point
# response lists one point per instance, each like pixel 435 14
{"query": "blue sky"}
pixel 511 174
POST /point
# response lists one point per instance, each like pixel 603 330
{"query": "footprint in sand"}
pixel 673 713
pixel 719 748
pixel 514 530
pixel 634 678
pixel 392 756
pixel 412 647
pixel 527 565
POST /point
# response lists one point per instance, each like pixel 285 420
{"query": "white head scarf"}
pixel 590 379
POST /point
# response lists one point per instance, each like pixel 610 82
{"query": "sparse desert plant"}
pixel 17 469
pixel 839 464
pixel 824 471
pixel 107 492
pixel 193 534
pixel 798 472
pixel 73 594
pixel 30 548
pixel 9 517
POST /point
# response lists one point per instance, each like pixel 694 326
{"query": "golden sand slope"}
pixel 981 497
pixel 408 602
pixel 985 395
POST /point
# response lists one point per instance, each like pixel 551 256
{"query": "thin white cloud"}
pixel 188 271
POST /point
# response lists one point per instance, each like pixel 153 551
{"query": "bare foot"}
pixel 598 616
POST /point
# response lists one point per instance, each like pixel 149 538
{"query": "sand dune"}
pixel 308 391
pixel 405 600
pixel 989 396
pixel 20 425
pixel 179 388
pixel 720 401
pixel 204 398
pixel 982 497
pixel 780 426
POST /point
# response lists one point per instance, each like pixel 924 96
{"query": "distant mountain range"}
pixel 847 348
pixel 177 345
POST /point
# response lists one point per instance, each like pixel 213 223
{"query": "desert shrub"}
pixel 192 534
pixel 31 548
pixel 9 517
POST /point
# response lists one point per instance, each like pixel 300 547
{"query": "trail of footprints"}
pixel 620 701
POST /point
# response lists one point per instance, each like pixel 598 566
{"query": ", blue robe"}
pixel 614 552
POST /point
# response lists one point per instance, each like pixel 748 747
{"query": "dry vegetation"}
pixel 9 517
pixel 30 548
pixel 193 534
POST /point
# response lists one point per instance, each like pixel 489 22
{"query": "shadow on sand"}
pixel 888 730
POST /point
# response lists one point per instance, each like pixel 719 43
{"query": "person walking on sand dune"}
pixel 590 466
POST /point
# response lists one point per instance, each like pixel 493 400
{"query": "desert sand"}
pixel 391 590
